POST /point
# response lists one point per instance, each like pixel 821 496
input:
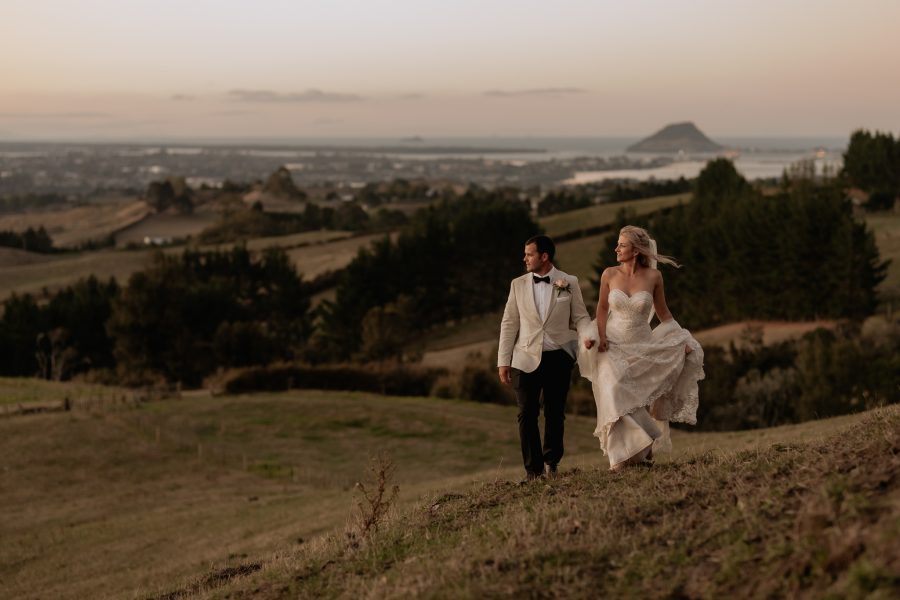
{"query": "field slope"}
pixel 604 214
pixel 116 501
pixel 793 519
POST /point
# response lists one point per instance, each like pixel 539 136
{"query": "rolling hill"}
pixel 676 137
pixel 113 500
pixel 795 518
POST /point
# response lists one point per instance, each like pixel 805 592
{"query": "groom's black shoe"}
pixel 529 477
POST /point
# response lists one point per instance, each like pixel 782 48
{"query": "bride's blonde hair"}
pixel 645 247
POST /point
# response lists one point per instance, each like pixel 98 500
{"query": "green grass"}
pixel 604 214
pixel 95 505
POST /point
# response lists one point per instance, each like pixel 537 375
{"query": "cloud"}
pixel 181 97
pixel 412 96
pixel 534 92
pixel 60 115
pixel 310 95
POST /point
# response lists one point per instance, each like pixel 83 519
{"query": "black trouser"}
pixel 552 377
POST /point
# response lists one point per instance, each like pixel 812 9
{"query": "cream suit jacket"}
pixel 522 329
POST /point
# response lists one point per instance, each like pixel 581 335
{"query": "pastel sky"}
pixel 133 69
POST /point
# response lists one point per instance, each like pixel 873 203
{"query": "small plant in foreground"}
pixel 375 500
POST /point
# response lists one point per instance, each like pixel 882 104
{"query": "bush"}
pixel 479 384
pixel 397 380
pixel 445 387
pixel 824 374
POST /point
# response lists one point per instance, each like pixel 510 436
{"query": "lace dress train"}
pixel 643 381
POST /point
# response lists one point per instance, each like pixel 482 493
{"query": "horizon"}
pixel 103 70
pixel 422 141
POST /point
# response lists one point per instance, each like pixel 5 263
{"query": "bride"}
pixel 642 378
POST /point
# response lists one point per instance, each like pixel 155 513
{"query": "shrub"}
pixel 395 380
pixel 479 384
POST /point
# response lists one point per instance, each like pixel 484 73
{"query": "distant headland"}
pixel 677 137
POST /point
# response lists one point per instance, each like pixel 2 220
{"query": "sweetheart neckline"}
pixel 624 293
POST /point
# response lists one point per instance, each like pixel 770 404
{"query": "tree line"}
pixel 872 163
pixel 794 255
pixel 179 320
pixel 454 260
pixel 188 315
pixel 31 240
pixel 823 374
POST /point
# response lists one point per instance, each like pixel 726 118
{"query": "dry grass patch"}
pixel 65 269
pixel 772 332
pixel 321 258
pixel 165 226
pixel 313 253
pixel 73 226
pixel 294 240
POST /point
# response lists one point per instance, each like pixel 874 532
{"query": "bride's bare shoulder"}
pixel 608 273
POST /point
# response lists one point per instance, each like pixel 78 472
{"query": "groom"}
pixel 538 345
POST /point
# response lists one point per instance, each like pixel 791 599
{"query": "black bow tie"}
pixel 541 279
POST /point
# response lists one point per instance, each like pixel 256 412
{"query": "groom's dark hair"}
pixel 544 245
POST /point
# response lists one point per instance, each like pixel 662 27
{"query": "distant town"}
pixel 81 169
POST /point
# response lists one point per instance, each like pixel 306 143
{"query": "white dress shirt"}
pixel 543 293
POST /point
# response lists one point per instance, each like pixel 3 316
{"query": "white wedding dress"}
pixel 643 381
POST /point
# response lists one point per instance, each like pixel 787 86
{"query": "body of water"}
pixel 754 157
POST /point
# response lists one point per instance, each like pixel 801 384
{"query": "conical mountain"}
pixel 677 137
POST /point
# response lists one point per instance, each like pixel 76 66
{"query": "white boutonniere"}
pixel 561 285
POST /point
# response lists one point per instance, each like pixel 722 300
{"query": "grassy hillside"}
pixel 95 505
pixel 22 390
pixel 603 214
pixel 61 270
pixel 886 227
pixel 313 253
pixel 815 518
pixel 73 226
pixel 321 258
pixel 577 257
pixel 166 226
pixel 119 501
